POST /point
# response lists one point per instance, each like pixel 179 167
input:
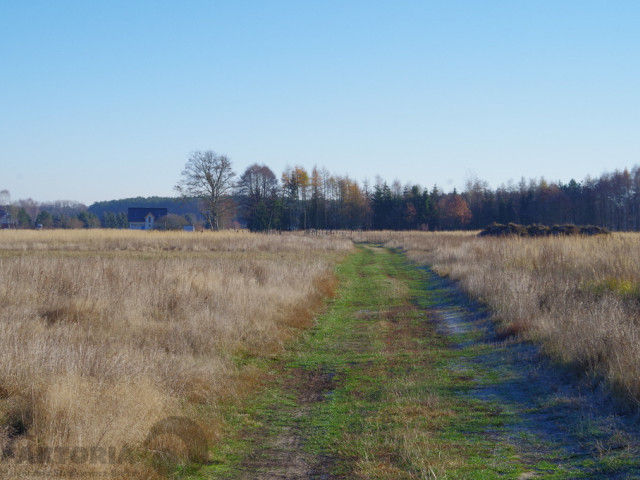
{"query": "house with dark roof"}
pixel 143 218
pixel 5 219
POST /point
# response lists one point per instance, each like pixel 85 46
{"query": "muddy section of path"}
pixel 561 425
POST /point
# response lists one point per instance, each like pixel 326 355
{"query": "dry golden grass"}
pixel 103 333
pixel 156 241
pixel 578 296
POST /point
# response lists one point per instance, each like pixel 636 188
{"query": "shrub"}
pixel 537 230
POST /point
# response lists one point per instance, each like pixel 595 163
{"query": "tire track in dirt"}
pixel 558 422
pixel 281 455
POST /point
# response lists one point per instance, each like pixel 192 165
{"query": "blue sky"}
pixel 106 99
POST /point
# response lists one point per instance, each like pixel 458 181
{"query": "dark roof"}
pixel 138 214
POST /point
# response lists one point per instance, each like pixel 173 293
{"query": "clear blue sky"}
pixel 105 99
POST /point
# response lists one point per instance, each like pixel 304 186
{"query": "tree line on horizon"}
pixel 302 200
pixel 320 200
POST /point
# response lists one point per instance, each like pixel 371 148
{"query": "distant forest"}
pixel 319 200
pixel 316 199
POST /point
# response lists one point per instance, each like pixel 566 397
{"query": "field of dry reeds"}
pixel 579 297
pixel 103 333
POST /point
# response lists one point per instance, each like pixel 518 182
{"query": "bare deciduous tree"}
pixel 5 198
pixel 208 177
pixel 258 189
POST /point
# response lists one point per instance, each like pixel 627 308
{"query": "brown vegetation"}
pixel 579 296
pixel 537 230
pixel 103 333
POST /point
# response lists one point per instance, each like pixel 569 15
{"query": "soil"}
pixel 283 456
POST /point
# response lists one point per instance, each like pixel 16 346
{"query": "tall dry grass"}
pixel 579 297
pixel 103 333
pixel 156 241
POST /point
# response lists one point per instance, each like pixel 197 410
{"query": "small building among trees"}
pixel 5 219
pixel 144 218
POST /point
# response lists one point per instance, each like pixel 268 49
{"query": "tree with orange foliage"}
pixel 455 211
pixel 295 189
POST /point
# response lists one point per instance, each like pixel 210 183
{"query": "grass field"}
pixel 103 333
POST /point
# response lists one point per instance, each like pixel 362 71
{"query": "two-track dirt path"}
pixel 403 377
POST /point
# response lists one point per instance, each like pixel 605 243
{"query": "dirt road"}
pixel 403 377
